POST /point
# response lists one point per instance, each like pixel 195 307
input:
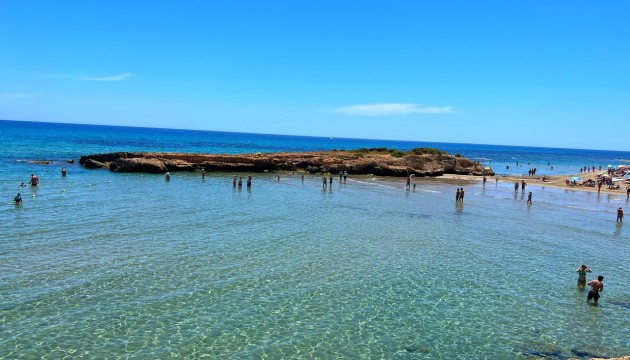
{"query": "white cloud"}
pixel 119 77
pixel 19 95
pixel 384 109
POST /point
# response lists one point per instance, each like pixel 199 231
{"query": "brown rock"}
pixel 380 162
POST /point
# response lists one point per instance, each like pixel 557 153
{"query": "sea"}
pixel 103 265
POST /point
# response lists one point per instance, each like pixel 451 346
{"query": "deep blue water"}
pixel 53 141
pixel 102 265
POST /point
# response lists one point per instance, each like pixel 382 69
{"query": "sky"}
pixel 531 73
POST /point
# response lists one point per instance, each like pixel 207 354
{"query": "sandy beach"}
pixel 555 181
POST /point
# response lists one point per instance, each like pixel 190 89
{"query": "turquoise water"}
pixel 102 265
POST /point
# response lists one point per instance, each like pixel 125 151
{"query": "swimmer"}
pixel 18 199
pixel 34 180
pixel 63 172
pixel 167 177
pixel 596 287
pixel 582 270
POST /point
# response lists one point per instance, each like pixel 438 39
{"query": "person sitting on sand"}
pixel 582 270
pixel 596 287
pixel 18 199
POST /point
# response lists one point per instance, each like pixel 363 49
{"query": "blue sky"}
pixel 533 73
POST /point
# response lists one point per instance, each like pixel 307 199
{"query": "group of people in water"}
pixel 459 195
pixel 238 183
pixel 34 181
pixel 597 286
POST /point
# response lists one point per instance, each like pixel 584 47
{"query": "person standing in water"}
pixel 34 180
pixel 167 177
pixel 63 172
pixel 203 174
pixel 620 214
pixel 596 287
pixel 582 270
pixel 18 199
pixel 249 181
pixel 529 198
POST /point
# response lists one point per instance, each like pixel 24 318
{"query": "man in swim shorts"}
pixel 34 180
pixel 596 288
pixel 620 214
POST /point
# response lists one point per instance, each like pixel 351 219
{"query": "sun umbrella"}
pixel 576 178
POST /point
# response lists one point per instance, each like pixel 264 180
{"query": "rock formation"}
pixel 382 162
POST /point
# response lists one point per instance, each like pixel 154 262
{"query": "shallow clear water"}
pixel 104 265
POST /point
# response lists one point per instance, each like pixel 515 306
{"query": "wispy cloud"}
pixel 119 77
pixel 384 109
pixel 19 95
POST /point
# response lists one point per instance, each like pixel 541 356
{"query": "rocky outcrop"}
pixel 382 162
pixel 93 164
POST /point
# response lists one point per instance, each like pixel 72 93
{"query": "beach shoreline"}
pixel 553 181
